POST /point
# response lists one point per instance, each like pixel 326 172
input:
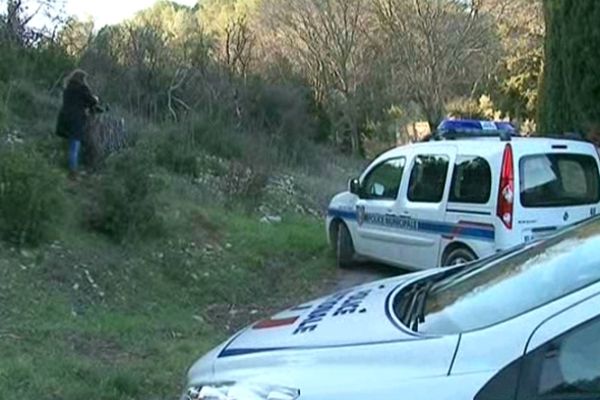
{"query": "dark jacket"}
pixel 72 118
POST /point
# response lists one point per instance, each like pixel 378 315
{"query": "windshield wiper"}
pixel 415 310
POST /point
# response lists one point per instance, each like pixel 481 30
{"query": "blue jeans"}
pixel 74 150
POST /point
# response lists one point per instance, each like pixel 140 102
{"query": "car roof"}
pixel 473 146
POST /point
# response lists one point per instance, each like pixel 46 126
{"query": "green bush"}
pixel 175 152
pixel 31 196
pixel 127 201
pixel 216 135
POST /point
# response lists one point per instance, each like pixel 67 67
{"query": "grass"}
pixel 85 318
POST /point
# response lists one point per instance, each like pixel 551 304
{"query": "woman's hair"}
pixel 78 76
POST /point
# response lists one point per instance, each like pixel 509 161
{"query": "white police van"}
pixel 479 189
pixel 520 326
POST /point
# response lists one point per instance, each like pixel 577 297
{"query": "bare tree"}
pixel 238 46
pixel 326 39
pixel 437 48
pixel 15 24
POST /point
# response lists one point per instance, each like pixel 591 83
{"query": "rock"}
pixel 198 318
pixel 271 219
pixel 26 254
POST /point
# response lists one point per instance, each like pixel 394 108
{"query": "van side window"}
pixel 471 181
pixel 428 179
pixel 383 182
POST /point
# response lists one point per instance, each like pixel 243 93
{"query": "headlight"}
pixel 234 391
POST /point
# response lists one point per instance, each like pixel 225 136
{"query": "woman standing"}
pixel 72 119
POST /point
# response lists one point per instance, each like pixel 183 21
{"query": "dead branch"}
pixel 176 83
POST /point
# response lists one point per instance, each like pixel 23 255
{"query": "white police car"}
pixel 478 190
pixel 519 325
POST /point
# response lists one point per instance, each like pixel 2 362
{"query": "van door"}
pixel 471 205
pixel 378 195
pixel 422 210
pixel 556 188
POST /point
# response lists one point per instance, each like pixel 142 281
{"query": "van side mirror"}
pixel 354 186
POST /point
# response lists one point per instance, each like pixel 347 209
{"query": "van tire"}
pixel 344 248
pixel 458 256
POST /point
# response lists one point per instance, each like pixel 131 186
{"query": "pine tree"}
pixel 570 89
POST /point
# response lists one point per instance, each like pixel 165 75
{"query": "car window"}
pixel 471 181
pixel 552 180
pixel 570 366
pixel 428 179
pixel 383 182
pixel 471 299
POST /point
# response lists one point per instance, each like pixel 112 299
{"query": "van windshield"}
pixel 558 180
pixel 485 295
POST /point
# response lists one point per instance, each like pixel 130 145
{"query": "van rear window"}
pixel 558 180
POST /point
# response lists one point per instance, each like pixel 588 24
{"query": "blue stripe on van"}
pixel 470 230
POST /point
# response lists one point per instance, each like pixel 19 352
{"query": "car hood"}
pixel 361 315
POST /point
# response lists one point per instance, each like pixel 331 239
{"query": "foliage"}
pixel 520 29
pixel 571 82
pixel 31 195
pixel 176 153
pixel 274 66
pixel 127 203
pixel 76 36
pixel 244 186
pixel 483 108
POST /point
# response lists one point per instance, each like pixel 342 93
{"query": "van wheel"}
pixel 458 256
pixel 344 248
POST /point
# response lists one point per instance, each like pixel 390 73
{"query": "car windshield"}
pixel 492 292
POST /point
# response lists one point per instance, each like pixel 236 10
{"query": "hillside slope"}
pixel 89 314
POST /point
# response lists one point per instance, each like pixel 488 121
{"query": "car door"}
pixel 378 195
pixel 422 210
pixel 561 360
pixel 563 356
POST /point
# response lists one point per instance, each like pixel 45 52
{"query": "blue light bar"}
pixel 476 127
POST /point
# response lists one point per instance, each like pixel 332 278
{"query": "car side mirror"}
pixel 354 186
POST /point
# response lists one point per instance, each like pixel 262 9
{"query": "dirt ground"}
pixel 364 273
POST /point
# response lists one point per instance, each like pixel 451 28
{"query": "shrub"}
pixel 216 135
pixel 283 113
pixel 31 196
pixel 244 186
pixel 127 201
pixel 175 152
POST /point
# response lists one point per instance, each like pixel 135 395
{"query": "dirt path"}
pixel 365 273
